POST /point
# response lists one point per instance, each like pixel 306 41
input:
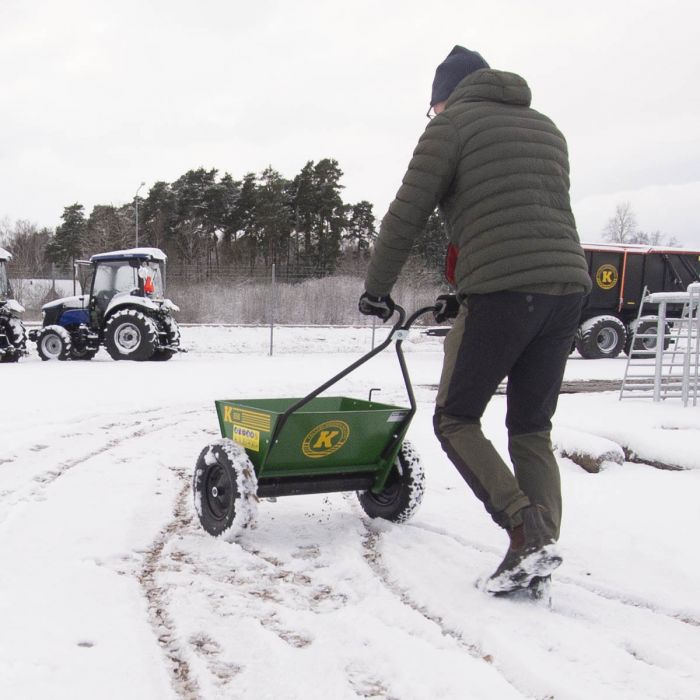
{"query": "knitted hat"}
pixel 459 63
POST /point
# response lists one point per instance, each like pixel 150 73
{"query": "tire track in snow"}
pixel 373 558
pixel 41 481
pixel 605 593
pixel 183 683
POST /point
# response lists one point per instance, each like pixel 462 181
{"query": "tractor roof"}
pixel 131 254
pixel 5 254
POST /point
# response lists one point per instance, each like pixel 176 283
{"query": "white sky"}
pixel 98 96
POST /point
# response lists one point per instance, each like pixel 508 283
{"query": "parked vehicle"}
pixel 125 310
pixel 620 273
pixel 13 336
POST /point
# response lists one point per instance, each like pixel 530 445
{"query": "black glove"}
pixel 371 305
pixel 446 307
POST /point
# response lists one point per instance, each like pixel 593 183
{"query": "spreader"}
pixel 316 444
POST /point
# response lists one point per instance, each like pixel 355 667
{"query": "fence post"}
pixel 272 309
pixel 374 327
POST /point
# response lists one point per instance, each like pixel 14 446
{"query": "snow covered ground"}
pixel 109 588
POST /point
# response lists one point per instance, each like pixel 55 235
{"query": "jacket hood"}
pixel 494 86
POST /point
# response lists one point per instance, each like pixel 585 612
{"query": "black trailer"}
pixel 620 273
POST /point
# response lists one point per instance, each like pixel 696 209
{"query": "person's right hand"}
pixel 380 306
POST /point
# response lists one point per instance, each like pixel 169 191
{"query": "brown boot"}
pixel 531 553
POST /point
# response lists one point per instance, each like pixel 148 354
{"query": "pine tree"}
pixel 67 243
pixel 361 229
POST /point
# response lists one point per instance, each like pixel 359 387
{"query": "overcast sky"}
pixel 97 96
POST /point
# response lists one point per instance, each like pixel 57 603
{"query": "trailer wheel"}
pixel 130 335
pixel 225 489
pixel 645 346
pixel 403 491
pixel 53 343
pixel 601 336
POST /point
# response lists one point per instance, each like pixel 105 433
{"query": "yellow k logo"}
pixel 325 439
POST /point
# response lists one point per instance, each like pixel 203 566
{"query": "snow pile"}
pixel 590 452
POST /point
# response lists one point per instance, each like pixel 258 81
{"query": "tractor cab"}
pixel 113 277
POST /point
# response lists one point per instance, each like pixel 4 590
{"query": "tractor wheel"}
pixel 601 336
pixel 645 346
pixel 169 327
pixel 403 491
pixel 130 335
pixel 54 343
pixel 225 489
pixel 16 338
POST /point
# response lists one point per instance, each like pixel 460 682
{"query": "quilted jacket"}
pixel 499 172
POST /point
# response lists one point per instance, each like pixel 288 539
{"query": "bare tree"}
pixel 621 228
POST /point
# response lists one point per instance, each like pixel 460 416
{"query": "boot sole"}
pixel 538 564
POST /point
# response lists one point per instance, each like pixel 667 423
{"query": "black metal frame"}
pixel 398 332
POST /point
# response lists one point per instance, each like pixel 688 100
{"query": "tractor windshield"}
pixel 117 276
pixel 4 282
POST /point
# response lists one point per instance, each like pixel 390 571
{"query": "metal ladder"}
pixel 664 362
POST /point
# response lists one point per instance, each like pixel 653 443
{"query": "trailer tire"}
pixel 130 335
pixel 53 343
pixel 403 492
pixel 645 346
pixel 16 336
pixel 225 489
pixel 601 336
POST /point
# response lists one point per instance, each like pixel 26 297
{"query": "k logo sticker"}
pixel 325 439
pixel 606 277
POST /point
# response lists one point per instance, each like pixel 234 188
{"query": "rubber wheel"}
pixel 602 336
pixel 16 336
pixel 646 346
pixel 54 343
pixel 130 335
pixel 225 489
pixel 403 491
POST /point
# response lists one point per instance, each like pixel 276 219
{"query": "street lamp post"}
pixel 136 207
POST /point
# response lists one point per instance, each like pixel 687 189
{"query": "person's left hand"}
pixel 446 307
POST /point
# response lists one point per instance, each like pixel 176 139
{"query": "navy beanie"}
pixel 459 63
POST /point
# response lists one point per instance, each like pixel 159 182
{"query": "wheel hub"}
pixel 127 338
pixel 52 345
pixel 218 493
pixel 607 339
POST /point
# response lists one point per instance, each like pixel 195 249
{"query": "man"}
pixel 499 172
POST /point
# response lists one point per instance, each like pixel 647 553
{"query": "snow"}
pixel 110 588
pixel 154 253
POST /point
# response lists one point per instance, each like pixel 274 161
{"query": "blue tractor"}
pixel 124 309
pixel 13 337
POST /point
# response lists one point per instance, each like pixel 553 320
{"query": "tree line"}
pixel 213 223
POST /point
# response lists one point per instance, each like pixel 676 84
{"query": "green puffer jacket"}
pixel 499 172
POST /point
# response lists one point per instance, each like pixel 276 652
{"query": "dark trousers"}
pixel 527 338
